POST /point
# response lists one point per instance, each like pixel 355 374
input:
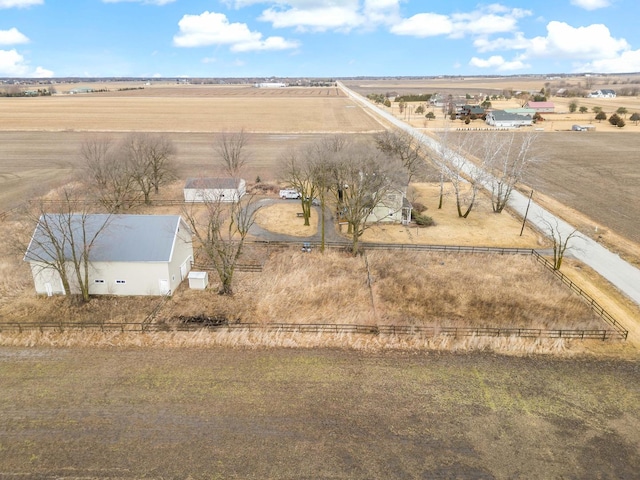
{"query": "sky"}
pixel 316 38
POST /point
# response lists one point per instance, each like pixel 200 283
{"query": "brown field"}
pixel 269 113
pixel 36 161
pixel 314 414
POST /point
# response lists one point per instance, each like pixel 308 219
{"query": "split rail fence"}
pixel 618 332
pixel 392 330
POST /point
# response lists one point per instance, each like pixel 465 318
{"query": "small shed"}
pixel 200 190
pixel 198 280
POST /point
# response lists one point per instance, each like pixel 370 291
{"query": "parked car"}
pixel 289 193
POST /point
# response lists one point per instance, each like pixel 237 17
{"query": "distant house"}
pixel 270 85
pixel 133 255
pixel 394 208
pixel 604 93
pixel 468 110
pixel 541 107
pixel 200 190
pixel 502 119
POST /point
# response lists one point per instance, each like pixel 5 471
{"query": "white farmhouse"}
pixel 132 255
pixel 604 93
pixel 200 190
pixel 393 208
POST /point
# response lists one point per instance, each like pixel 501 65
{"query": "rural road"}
pixel 610 266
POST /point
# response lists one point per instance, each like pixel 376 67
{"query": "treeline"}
pixel 414 97
pixel 25 93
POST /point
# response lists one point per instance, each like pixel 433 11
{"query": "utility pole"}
pixel 524 220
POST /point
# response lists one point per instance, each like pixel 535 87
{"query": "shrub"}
pixel 620 123
pixel 422 220
pixel 418 207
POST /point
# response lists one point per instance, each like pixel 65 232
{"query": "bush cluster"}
pixel 422 220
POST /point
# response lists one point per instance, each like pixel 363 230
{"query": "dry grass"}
pixel 252 339
pixel 282 218
pixel 481 228
pixel 294 287
pixel 458 290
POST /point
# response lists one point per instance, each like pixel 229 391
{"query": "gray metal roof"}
pixel 125 238
pixel 212 183
pixel 502 115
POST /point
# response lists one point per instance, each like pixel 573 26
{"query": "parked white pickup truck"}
pixel 289 194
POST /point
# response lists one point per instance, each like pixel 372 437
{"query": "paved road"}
pixel 609 265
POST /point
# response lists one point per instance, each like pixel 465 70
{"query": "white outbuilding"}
pixel 131 254
pixel 200 190
pixel 198 280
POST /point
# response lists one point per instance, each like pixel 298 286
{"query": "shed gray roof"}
pixel 125 238
pixel 502 115
pixel 213 183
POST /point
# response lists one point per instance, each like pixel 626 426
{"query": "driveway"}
pixel 330 234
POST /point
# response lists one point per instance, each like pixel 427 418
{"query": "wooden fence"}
pixel 618 332
pixel 392 330
pixel 590 301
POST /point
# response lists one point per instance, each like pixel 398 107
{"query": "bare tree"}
pixel 363 177
pixel 405 147
pixel 232 153
pixel 507 155
pixel 109 174
pixel 297 171
pixel 466 178
pixel 150 160
pixel 559 239
pixel 63 240
pixel 322 155
pixel 221 229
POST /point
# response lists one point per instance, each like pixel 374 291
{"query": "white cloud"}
pixel 496 62
pixel 424 25
pixel 12 64
pixel 19 3
pixel 591 4
pixel 517 42
pixel 626 62
pixel 145 2
pixel 589 49
pixel 270 43
pixel 210 28
pixel 317 19
pixel 593 42
pixel 323 15
pixel 42 73
pixel 12 37
pixel 484 21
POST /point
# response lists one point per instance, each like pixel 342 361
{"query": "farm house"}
pixel 604 93
pixel 200 190
pixel 132 254
pixel 394 208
